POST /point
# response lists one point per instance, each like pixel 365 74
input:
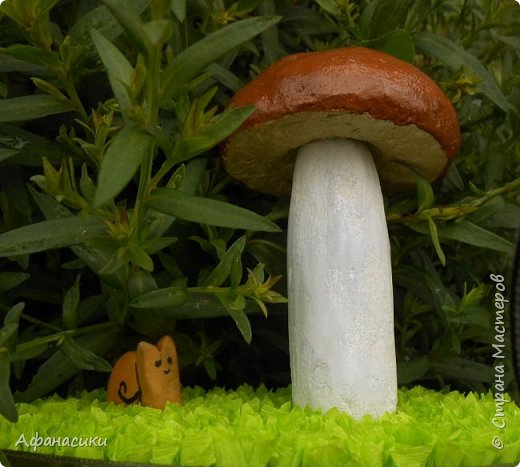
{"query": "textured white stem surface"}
pixel 341 330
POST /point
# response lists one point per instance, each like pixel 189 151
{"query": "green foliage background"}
pixel 118 223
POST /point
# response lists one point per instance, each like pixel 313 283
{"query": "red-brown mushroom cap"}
pixel 355 93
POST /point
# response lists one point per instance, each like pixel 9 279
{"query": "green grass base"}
pixel 250 427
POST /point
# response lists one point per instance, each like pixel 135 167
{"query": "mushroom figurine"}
pixel 325 125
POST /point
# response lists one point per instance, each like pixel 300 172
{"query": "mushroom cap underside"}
pixel 354 93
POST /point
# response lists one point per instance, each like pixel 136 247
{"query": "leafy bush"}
pixel 119 224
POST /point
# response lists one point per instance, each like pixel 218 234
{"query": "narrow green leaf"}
pixel 308 22
pixel 434 234
pixel 397 43
pixel 422 278
pixel 199 305
pixel 507 217
pixel 59 368
pixel 489 209
pixel 467 232
pixel 161 298
pixel 12 183
pixel 30 54
pixel 14 314
pixel 170 265
pixel 510 40
pixel 237 270
pixel 226 123
pixel 49 234
pixel 222 271
pixel 101 19
pixel 478 316
pixel 178 8
pixel 71 304
pixel 123 157
pixel 140 258
pixel 271 46
pixel 84 358
pixel 270 254
pixel 7 405
pixel 28 353
pixel 413 280
pixel 193 173
pixel 425 196
pixel 3 459
pixel 387 16
pixel 462 368
pixel 139 283
pixel 191 146
pixel 158 32
pixel 9 280
pixel 95 258
pixel 211 370
pixel 118 68
pixel 330 6
pixel 193 60
pixel 48 88
pixel 157 244
pixel 7 153
pixel 365 19
pixel 157 222
pixel 18 109
pixel 91 307
pixel 455 178
pixel 407 372
pixel 8 337
pixel 454 56
pixel 32 147
pixel 128 17
pixel 162 138
pixel 8 331
pixel 207 211
pixel 83 50
pixel 238 315
pixel 10 65
pixel 225 77
pixel 86 184
pixel 49 206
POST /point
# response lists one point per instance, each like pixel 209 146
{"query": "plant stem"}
pixel 73 94
pixel 447 213
pixel 151 117
pixel 64 76
pixel 210 290
pixel 39 322
pixel 163 170
pixel 24 346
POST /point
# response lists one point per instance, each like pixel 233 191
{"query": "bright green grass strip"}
pixel 250 427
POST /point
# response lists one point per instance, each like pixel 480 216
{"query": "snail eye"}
pixel 170 360
pixel 158 363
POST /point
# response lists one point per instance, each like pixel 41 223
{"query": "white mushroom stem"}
pixel 341 329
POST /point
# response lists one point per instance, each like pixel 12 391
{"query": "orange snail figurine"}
pixel 149 376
